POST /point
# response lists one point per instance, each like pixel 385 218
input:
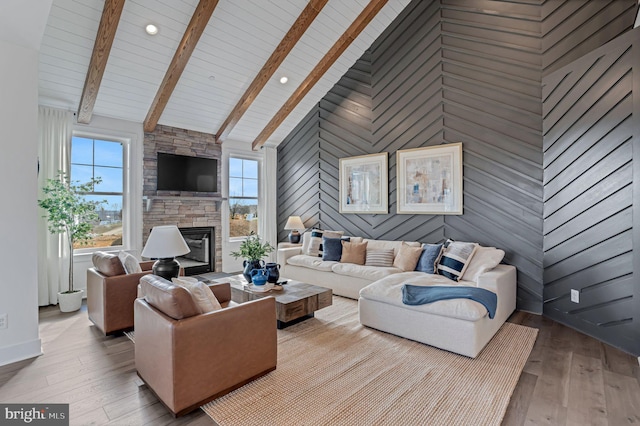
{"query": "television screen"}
pixel 184 173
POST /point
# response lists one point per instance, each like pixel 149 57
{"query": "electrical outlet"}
pixel 4 321
pixel 575 296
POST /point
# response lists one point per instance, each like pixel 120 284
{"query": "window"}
pixel 243 197
pixel 96 158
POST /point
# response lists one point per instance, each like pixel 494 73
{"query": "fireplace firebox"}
pixel 202 258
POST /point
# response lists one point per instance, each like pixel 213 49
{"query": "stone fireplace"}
pixel 184 209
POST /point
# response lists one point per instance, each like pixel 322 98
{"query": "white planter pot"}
pixel 70 302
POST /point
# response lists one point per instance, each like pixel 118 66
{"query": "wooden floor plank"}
pixel 586 403
pixel 520 400
pixel 622 394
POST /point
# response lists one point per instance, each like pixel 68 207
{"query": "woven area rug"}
pixel 332 370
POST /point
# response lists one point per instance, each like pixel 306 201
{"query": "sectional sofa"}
pixel 462 326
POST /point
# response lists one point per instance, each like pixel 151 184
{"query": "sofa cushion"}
pixel 107 264
pixel 354 252
pixel 483 260
pixel 455 259
pixel 170 299
pixel 389 290
pixel 407 257
pixel 202 295
pixel 429 258
pixel 130 264
pixel 332 248
pixel 311 262
pixel 382 258
pixel 371 273
pixel 385 244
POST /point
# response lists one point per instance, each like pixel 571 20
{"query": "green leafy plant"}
pixel 69 213
pixel 252 248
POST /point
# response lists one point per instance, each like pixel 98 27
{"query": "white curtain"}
pixel 54 154
pixel 268 220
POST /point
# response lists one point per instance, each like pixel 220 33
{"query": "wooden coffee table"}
pixel 297 301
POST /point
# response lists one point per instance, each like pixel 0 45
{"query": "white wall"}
pixel 266 186
pixel 18 216
pixel 132 135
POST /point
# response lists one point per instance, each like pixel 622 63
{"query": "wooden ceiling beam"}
pixel 187 45
pixel 99 57
pixel 307 16
pixel 316 74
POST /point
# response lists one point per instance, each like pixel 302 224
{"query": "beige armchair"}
pixel 111 292
pixel 188 358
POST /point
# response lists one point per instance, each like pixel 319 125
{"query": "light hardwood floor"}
pixel 569 379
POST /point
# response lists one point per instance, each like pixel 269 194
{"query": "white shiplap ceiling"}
pixel 239 38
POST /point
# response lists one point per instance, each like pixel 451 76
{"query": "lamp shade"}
pixel 165 242
pixel 294 222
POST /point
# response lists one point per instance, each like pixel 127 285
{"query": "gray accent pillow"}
pixel 429 258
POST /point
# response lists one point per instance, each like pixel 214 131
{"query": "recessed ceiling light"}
pixel 151 29
pixel 212 77
pixel 284 79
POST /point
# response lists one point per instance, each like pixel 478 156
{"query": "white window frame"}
pixel 260 209
pixel 132 139
pixel 128 227
pixel 243 155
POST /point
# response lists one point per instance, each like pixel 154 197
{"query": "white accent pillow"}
pixel 129 263
pixel 484 259
pixel 202 295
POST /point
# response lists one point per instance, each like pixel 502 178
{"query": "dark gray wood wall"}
pixel 590 136
pixel 458 71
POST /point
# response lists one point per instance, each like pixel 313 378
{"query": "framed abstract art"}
pixel 430 180
pixel 364 184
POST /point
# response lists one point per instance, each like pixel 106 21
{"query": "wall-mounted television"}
pixel 185 173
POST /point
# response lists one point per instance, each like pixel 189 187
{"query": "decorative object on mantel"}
pixel 164 244
pixel 430 180
pixel 252 250
pixel 294 224
pixel 364 184
pixel 69 213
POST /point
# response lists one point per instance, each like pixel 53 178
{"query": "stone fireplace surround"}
pixel 184 209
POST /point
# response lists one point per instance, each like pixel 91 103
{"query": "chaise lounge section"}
pixel 460 325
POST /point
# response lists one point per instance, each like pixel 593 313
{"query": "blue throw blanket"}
pixel 419 295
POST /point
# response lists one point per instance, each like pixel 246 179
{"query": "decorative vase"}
pixel 259 276
pixel 273 270
pixel 250 265
pixel 70 302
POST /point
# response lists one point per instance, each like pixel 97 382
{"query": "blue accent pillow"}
pixel 332 248
pixel 428 258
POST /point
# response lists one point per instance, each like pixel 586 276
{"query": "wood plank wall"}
pixel 589 134
pixel 458 71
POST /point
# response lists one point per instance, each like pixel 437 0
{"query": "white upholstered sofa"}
pixel 462 326
pixel 345 279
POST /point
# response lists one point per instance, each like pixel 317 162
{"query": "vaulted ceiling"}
pixel 214 66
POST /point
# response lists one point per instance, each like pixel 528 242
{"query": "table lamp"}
pixel 164 244
pixel 294 223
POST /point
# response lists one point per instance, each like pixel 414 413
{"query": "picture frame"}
pixel 364 184
pixel 430 180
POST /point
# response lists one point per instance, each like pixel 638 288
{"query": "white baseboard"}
pixel 19 352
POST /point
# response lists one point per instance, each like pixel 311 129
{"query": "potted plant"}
pixel 69 213
pixel 252 250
